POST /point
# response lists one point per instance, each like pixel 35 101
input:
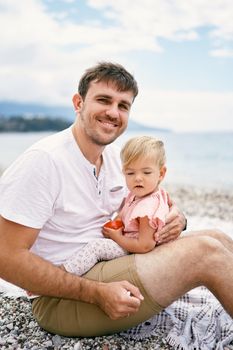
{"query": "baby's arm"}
pixel 143 244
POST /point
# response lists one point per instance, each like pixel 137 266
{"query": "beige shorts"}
pixel 75 318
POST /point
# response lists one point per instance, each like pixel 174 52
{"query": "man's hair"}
pixel 108 72
pixel 143 147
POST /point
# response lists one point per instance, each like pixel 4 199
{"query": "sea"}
pixel 193 159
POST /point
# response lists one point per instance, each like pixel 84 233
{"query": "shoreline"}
pixel 204 208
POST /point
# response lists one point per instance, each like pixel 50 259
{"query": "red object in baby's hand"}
pixel 114 224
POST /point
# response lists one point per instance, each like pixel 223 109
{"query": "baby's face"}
pixel 143 176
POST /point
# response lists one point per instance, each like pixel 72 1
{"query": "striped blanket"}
pixel 195 321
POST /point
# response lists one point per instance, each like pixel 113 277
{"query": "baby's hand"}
pixel 114 224
pixel 111 233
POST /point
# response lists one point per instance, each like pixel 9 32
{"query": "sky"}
pixel 180 52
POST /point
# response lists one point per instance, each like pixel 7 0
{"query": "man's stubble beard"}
pixel 96 138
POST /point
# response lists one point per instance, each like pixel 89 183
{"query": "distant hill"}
pixel 9 109
pixel 25 124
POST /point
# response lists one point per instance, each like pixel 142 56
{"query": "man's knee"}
pixel 197 245
pixel 200 250
pixel 217 234
pixel 209 242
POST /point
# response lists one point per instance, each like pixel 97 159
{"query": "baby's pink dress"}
pixel 154 206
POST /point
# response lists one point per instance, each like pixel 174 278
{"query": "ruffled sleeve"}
pixel 154 206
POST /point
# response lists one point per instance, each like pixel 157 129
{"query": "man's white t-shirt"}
pixel 53 187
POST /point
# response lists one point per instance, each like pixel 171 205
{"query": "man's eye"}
pixel 124 107
pixel 102 100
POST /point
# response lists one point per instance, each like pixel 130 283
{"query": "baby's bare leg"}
pixel 172 269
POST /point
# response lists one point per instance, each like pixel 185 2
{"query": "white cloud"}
pixel 184 111
pixel 134 27
pixel 43 55
pixel 174 20
pixel 223 52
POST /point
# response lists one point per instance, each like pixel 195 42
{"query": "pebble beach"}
pixel 18 330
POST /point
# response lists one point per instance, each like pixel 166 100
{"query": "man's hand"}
pixel 175 224
pixel 118 299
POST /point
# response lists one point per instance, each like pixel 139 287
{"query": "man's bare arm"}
pixel 23 268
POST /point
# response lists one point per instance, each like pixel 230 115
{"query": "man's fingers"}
pixel 175 223
pixel 130 307
pixel 170 236
pixel 168 233
pixel 133 291
pixel 120 299
pixel 173 226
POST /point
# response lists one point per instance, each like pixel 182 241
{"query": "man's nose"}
pixel 113 111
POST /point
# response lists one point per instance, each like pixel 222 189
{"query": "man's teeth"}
pixel 108 123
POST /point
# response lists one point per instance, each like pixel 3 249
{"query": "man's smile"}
pixel 108 123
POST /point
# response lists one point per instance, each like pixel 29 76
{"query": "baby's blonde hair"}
pixel 143 147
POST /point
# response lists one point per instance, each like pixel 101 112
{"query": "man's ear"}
pixel 77 102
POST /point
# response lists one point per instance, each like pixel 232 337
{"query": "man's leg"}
pixel 75 318
pixel 217 234
pixel 172 269
pixel 162 276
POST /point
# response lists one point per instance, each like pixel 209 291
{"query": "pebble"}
pixel 217 203
pixel 78 346
pixel 19 331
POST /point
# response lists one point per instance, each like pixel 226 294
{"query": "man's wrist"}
pixel 88 290
pixel 97 293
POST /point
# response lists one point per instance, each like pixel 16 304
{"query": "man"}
pixel 57 196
